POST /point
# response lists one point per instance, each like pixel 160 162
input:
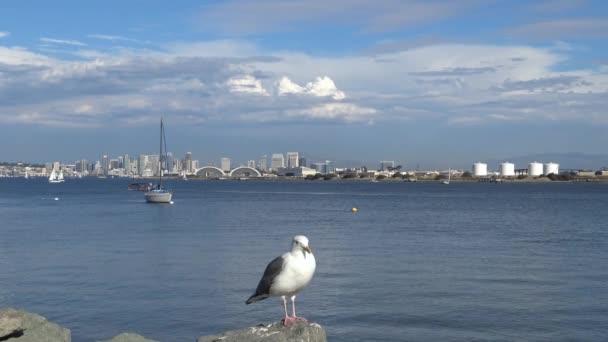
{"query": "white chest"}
pixel 296 274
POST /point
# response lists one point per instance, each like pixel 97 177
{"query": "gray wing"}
pixel 272 271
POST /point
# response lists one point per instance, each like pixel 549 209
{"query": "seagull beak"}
pixel 307 248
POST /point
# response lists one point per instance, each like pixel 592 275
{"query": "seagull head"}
pixel 300 243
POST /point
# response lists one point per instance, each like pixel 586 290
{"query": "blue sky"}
pixel 422 82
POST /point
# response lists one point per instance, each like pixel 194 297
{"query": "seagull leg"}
pixel 288 320
pixel 293 306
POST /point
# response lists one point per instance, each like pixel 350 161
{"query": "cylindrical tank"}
pixel 507 169
pixel 550 168
pixel 480 170
pixel 535 169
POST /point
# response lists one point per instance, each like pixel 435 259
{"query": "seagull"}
pixel 287 275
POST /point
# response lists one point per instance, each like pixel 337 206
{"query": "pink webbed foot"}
pixel 289 321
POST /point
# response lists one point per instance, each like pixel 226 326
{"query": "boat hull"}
pixel 158 196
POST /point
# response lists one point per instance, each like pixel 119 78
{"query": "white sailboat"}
pixel 158 194
pixel 26 175
pixel 446 182
pixel 56 177
pixel 184 175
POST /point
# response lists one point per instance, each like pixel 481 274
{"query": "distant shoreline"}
pixel 603 179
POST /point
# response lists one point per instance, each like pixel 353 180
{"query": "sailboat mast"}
pixel 160 155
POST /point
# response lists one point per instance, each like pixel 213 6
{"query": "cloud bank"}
pixel 240 82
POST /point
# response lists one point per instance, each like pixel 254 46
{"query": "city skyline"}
pixel 435 83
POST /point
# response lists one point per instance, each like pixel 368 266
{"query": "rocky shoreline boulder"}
pixel 21 326
pixel 128 337
pixel 276 332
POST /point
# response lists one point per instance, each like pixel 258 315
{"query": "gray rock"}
pixel 10 323
pixel 32 328
pixel 300 332
pixel 128 337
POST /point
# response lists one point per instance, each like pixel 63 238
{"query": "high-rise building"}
pixel 278 160
pixel 329 166
pixel 168 165
pixel 97 169
pixel 195 165
pixel 141 164
pixel 153 164
pixel 225 164
pixel 188 162
pixel 302 161
pixel 263 163
pixel 177 166
pixel 114 164
pixel 126 164
pixel 293 159
pixel 251 164
pixel 105 165
pixel 82 166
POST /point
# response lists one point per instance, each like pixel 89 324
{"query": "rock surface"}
pixel 10 323
pixel 128 337
pixel 30 328
pixel 305 332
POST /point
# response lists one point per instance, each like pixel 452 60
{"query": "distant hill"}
pixel 570 160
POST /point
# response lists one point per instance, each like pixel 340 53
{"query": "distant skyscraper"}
pixel 126 164
pixel 278 160
pixel 225 164
pixel 153 164
pixel 302 161
pixel 169 162
pixel 293 159
pixel 177 165
pixel 141 163
pixel 263 163
pixel 329 166
pixel 83 166
pixel 114 164
pixel 251 164
pixel 105 165
pixel 188 162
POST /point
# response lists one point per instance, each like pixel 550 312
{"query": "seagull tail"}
pixel 256 298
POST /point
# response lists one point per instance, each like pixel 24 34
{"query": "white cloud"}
pixel 62 41
pixel 321 86
pixel 111 38
pixel 4 34
pixel 457 83
pixel 246 84
pixel 21 56
pixel 285 86
pixel 347 112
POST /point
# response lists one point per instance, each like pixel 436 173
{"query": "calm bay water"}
pixel 418 262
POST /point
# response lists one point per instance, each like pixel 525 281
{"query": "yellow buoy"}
pixel 354 210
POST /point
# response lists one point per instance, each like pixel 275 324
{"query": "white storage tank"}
pixel 480 170
pixel 507 169
pixel 535 169
pixel 551 168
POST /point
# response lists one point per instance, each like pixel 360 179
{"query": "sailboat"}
pixel 56 177
pixel 158 194
pixel 446 182
pixel 184 175
pixel 26 175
